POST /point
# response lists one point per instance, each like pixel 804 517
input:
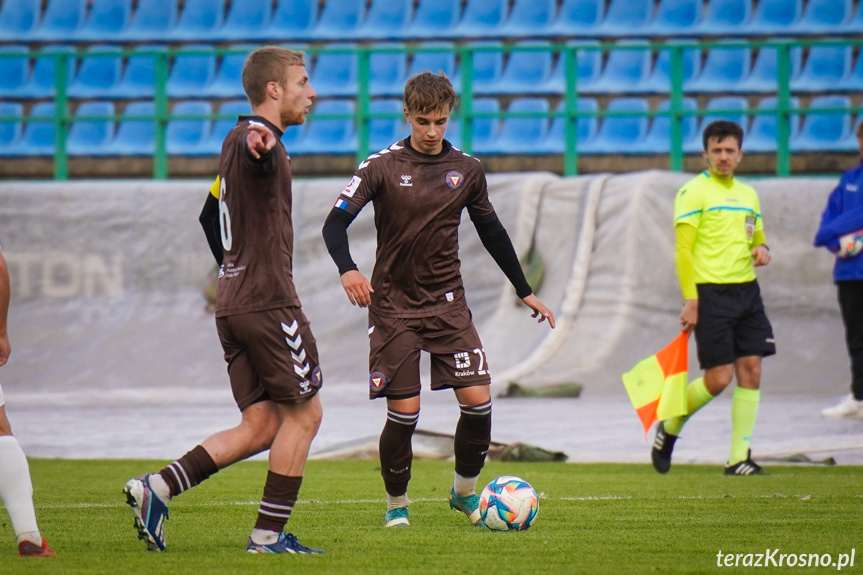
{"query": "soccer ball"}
pixel 850 244
pixel 508 503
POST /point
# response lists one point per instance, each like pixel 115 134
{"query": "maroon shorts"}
pixel 450 338
pixel 271 355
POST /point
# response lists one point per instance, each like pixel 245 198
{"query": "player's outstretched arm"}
pixel 358 288
pixel 260 140
pixel 539 310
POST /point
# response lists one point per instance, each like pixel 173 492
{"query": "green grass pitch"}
pixel 597 518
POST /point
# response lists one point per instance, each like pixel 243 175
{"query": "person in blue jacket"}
pixel 844 215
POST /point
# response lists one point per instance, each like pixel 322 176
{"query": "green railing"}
pixel 362 116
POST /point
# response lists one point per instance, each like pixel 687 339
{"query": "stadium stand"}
pixel 586 128
pixel 97 73
pixel 480 18
pixel 60 21
pixel 387 70
pixel 386 20
pixel 658 138
pixel 854 80
pixel 335 73
pixel 626 18
pixel 383 132
pixel 228 82
pixel 522 135
pixel 529 18
pixel 620 134
pixel 724 17
pixel 725 69
pixel 659 80
pixel 14 70
pixel 737 104
pixel 675 17
pixel 577 18
pixel 91 137
pixel 191 73
pixel 485 129
pixel 139 77
pixel 625 70
pixel 293 20
pixel 825 131
pixel 329 135
pixel 186 136
pixel 339 19
pixel 200 20
pixel 106 19
pixel 526 71
pixel 826 67
pixel 153 20
pixel 221 127
pixel 762 133
pixel 10 132
pixel 246 20
pixel 18 18
pixel 432 19
pixel 42 80
pixel 762 78
pixel 440 58
pixel 487 66
pixel 38 136
pixel 135 137
pixel 774 17
pixel 824 16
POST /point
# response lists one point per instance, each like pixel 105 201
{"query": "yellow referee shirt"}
pixel 727 217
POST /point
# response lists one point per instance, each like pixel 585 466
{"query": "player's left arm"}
pixel 209 220
pixel 760 249
pixel 5 290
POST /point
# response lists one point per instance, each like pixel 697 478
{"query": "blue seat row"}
pixel 314 20
pixel 532 68
pixel 632 131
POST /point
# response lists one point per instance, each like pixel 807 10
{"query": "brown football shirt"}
pixel 418 201
pixel 256 229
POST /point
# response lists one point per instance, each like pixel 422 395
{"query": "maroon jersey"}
pixel 418 201
pixel 255 221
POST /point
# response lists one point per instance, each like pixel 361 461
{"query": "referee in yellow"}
pixel 719 240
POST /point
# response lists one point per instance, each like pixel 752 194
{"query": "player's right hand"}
pixel 260 140
pixel 358 288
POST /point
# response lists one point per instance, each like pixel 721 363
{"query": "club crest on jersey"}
pixel 317 377
pixel 377 381
pixel 406 181
pixel 454 180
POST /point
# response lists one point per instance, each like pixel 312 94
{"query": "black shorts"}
pixel 271 355
pixel 457 357
pixel 731 324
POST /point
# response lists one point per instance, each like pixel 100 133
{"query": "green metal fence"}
pixel 570 112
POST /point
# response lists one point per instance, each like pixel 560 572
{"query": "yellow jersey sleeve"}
pixel 684 239
pixel 214 189
pixel 688 205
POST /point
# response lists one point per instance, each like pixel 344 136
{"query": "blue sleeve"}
pixel 837 220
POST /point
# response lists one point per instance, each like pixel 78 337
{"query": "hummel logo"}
pixel 406 181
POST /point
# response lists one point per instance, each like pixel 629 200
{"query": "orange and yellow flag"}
pixel 657 385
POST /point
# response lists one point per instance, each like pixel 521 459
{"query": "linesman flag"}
pixel 657 385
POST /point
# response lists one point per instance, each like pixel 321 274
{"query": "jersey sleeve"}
pixel 214 189
pixel 360 190
pixel 479 205
pixel 688 206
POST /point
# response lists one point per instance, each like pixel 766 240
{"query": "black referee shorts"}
pixel 731 324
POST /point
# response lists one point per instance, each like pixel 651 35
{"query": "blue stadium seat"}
pixel 588 69
pixel 106 20
pixel 200 20
pixel 441 58
pixel 246 20
pixel 824 17
pixel 213 143
pixel 523 135
pixel 384 132
pixel 853 82
pixel 191 73
pixel 14 70
pixel 335 73
pixel 186 137
pixel 674 17
pixel 486 131
pixel 658 139
pixel 586 129
pixel 724 69
pixel 762 134
pixel 153 20
pixel 855 24
pixel 774 17
pixel 38 136
pixel 386 19
pixel 139 77
pixel 480 18
pixel 97 74
pixel 826 131
pixel 387 70
pixel 61 21
pixel 91 137
pixel 529 18
pixel 10 132
pixel 228 82
pixel 738 104
pixel 135 137
pixel 826 68
pixel 18 18
pixel 487 66
pixel 627 18
pixel 330 135
pixel 659 80
pixel 625 70
pixel 578 17
pixel 339 19
pixel 526 71
pixel 292 20
pixel 763 75
pixel 621 134
pixel 433 19
pixel 724 17
pixel 42 80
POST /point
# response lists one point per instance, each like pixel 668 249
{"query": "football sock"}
pixel 697 397
pixel 396 451
pixel 264 536
pixel 464 486
pixel 188 471
pixel 280 494
pixel 472 438
pixel 744 410
pixel 16 490
pixel 396 501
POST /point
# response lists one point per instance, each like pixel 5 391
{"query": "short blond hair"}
pixel 265 65
pixel 426 92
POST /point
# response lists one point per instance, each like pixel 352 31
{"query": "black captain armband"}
pixel 335 234
pixel 496 241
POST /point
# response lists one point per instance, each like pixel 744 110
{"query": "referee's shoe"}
pixel 663 445
pixel 745 467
